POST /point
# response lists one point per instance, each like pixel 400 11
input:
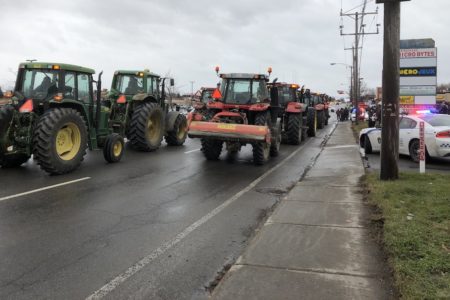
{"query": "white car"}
pixel 437 136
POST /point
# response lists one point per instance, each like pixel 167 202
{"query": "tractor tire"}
pixel 211 148
pixel 12 160
pixel 147 127
pixel 261 150
pixel 60 140
pixel 320 119
pixel 327 116
pixel 113 148
pixel 275 133
pixel 178 135
pixel 294 129
pixel 312 122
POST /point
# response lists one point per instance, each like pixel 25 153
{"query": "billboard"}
pixel 418 72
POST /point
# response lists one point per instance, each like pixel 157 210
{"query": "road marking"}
pixel 192 151
pixel 121 278
pixel 44 188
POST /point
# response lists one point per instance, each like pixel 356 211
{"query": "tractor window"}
pixel 69 85
pixel 152 85
pixel 207 96
pixel 39 84
pixel 244 91
pixel 83 87
pixel 238 91
pixel 130 84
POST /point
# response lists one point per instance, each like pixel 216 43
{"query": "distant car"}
pixel 437 136
pixel 363 115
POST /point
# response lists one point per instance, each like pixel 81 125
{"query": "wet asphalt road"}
pixel 187 217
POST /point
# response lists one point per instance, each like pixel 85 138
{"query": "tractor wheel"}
pixel 211 148
pixel 312 122
pixel 275 140
pixel 113 148
pixel 294 129
pixel 178 135
pixel 147 127
pixel 320 119
pixel 261 150
pixel 12 160
pixel 327 116
pixel 60 140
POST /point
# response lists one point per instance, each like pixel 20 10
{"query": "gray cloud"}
pixel 188 38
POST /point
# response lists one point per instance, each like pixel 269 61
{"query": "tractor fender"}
pixel 171 117
pixel 259 107
pixel 144 96
pixel 294 107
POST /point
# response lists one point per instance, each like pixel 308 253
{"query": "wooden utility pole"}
pixel 391 90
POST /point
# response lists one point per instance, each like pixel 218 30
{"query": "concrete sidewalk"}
pixel 316 245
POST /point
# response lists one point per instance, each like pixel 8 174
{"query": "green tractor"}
pixel 55 117
pixel 139 111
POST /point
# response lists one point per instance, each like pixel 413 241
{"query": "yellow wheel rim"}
pixel 68 141
pixel 182 131
pixel 117 148
pixel 153 128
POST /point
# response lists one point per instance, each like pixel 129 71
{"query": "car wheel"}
pixel 414 147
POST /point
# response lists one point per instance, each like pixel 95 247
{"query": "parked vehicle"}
pixel 437 136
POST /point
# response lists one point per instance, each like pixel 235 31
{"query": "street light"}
pixel 352 95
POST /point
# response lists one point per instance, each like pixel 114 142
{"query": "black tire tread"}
pixel 294 129
pixel 172 136
pixel 138 127
pixel 211 149
pixel 42 141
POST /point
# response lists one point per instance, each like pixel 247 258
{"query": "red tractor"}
pixel 201 99
pixel 242 112
pixel 292 112
pixel 321 106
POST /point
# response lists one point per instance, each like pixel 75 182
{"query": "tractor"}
pixel 139 111
pixel 55 117
pixel 311 114
pixel 202 97
pixel 242 112
pixel 291 112
pixel 321 106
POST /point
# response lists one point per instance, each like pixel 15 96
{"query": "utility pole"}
pixel 359 31
pixel 391 90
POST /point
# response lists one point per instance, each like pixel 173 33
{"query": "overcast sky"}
pixel 186 39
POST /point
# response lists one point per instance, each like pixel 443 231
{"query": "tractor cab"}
pixel 49 84
pixel 202 97
pixel 127 84
pixel 244 89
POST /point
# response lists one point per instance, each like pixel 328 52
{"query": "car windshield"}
pixel 39 83
pixel 129 84
pixel 244 91
pixel 437 120
pixel 206 96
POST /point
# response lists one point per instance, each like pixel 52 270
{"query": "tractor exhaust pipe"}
pixel 98 101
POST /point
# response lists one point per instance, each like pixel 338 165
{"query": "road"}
pixel 405 164
pixel 160 225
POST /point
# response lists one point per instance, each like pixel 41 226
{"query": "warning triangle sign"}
pixel 217 94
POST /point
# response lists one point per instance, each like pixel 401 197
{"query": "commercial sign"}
pixel 418 72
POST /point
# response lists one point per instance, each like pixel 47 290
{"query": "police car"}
pixel 437 136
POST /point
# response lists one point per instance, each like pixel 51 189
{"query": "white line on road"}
pixel 110 286
pixel 192 151
pixel 44 188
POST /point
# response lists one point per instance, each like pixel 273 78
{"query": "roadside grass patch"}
pixel 416 232
pixel 357 128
